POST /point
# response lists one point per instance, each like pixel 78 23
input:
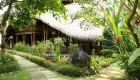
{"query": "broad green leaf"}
pixel 134 56
pixel 118 14
pixel 121 25
pixel 111 12
pixel 111 20
pixel 97 20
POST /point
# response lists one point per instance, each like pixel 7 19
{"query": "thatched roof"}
pixel 72 29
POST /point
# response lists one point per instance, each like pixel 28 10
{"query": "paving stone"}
pixel 102 79
pixel 104 76
pixel 37 72
pixel 114 72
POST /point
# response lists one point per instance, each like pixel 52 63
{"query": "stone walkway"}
pixel 39 73
pixel 112 72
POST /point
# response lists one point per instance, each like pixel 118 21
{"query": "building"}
pixel 47 27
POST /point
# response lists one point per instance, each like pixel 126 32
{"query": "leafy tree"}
pixel 21 13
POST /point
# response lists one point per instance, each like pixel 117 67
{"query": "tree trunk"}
pixel 3 23
pixel 129 24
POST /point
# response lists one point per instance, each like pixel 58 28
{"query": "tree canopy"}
pixel 23 12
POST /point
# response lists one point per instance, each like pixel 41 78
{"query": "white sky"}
pixel 3 10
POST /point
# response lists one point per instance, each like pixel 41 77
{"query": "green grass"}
pixel 21 75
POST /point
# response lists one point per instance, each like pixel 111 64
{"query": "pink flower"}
pixel 124 7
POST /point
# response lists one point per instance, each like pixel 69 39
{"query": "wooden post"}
pixel 44 32
pixel 34 39
pixel 23 37
pixel 16 38
pixel 47 33
pixel 31 39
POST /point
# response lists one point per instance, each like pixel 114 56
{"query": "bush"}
pixel 104 61
pixel 107 52
pixel 70 70
pixel 9 65
pixel 42 47
pixel 11 52
pixel 39 49
pixel 94 65
pixel 19 46
pixel 73 49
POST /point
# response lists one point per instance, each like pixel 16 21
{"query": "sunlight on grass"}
pixel 21 75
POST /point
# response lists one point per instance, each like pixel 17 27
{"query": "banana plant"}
pixel 134 56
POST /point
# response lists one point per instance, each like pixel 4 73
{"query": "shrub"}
pixel 39 49
pixel 49 46
pixel 107 52
pixel 9 65
pixel 104 61
pixel 42 47
pixel 94 65
pixel 70 70
pixel 19 46
pixel 58 41
pixel 11 51
pixel 73 49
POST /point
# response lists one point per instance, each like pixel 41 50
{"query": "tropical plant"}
pixel 57 52
pixel 94 65
pixel 134 56
pixel 131 64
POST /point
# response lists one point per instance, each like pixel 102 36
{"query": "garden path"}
pixel 113 72
pixel 39 73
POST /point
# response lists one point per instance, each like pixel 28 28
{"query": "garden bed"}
pixel 10 65
pixel 64 66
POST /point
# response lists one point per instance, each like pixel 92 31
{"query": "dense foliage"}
pixel 121 17
pixel 9 65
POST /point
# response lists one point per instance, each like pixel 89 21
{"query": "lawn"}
pixel 21 75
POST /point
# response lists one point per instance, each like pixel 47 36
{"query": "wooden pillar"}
pixel 44 37
pixel 16 38
pixel 34 41
pixel 24 40
pixel 97 46
pixel 47 33
pixel 31 39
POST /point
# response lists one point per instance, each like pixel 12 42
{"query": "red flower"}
pixel 137 22
pixel 117 40
pixel 124 7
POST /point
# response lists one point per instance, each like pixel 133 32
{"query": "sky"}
pixel 3 10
